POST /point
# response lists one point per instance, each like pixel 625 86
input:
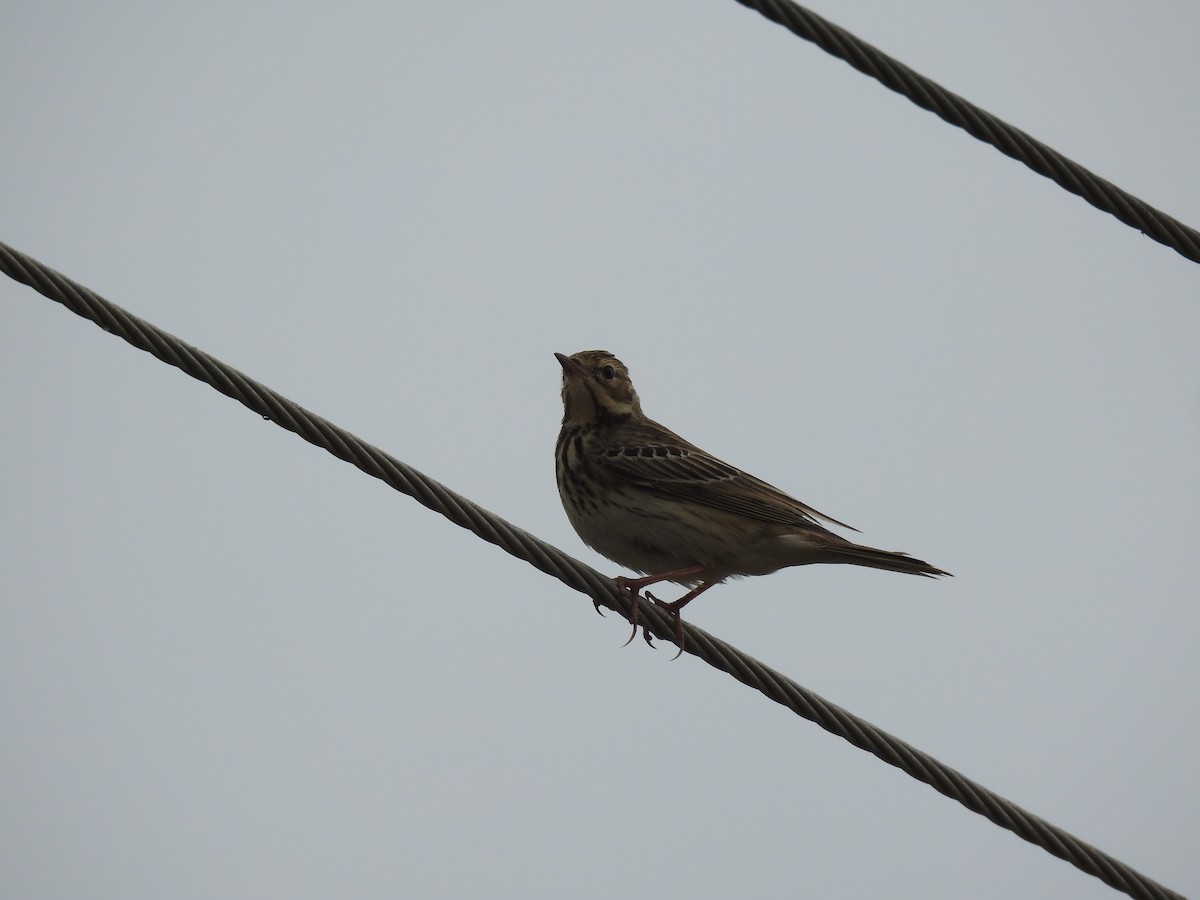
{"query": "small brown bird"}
pixel 647 499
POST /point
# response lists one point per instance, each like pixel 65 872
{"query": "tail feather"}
pixel 860 555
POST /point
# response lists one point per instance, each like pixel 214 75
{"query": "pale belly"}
pixel 661 536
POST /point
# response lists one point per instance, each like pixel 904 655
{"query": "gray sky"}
pixel 232 666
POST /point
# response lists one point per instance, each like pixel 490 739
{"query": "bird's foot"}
pixel 633 586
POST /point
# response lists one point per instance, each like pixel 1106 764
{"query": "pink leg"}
pixel 634 585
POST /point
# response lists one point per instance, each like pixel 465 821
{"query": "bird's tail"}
pixel 860 555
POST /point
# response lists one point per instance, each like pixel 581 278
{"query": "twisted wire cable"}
pixel 573 573
pixel 979 123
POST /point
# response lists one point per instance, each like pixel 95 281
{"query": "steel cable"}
pixel 573 573
pixel 979 123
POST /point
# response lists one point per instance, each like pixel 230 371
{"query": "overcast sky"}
pixel 233 666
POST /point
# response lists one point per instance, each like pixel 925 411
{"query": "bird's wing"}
pixel 661 461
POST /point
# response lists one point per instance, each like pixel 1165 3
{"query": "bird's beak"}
pixel 570 367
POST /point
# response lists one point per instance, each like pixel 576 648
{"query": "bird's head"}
pixel 596 385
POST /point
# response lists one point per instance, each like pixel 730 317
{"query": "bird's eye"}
pixel 609 373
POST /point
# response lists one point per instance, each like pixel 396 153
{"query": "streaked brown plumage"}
pixel 647 499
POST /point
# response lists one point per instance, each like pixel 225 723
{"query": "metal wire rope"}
pixel 1011 141
pixel 573 573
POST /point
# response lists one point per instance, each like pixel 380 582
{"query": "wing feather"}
pixel 661 461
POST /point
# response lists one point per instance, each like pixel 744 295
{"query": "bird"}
pixel 650 501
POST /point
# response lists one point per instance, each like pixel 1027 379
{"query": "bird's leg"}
pixel 674 609
pixel 634 585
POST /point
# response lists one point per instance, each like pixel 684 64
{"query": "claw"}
pixel 673 609
pixel 678 636
pixel 596 603
pixel 623 583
